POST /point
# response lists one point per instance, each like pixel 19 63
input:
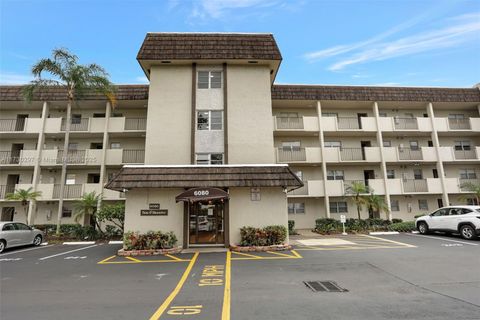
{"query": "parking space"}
pixel 91 281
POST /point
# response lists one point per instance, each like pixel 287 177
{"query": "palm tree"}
pixel 76 80
pixel 377 204
pixel 86 207
pixel 471 188
pixel 24 196
pixel 356 189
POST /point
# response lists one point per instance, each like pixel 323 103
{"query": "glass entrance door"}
pixel 206 223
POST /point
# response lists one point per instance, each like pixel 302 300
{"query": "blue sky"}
pixel 381 42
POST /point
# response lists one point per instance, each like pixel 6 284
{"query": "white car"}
pixel 462 219
pixel 14 234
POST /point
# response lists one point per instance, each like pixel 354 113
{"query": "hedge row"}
pixel 79 232
pixel 326 225
pixel 406 226
pixel 149 241
pixel 268 236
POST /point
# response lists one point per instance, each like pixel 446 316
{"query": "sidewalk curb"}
pixel 115 242
pixel 70 243
pixel 383 233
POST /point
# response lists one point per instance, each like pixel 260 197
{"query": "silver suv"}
pixel 462 219
pixel 14 234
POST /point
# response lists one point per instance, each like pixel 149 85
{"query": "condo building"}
pixel 212 144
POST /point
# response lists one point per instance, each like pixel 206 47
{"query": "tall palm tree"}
pixel 24 196
pixel 76 80
pixel 377 204
pixel 86 207
pixel 472 188
pixel 356 190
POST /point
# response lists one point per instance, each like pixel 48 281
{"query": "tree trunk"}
pixel 25 209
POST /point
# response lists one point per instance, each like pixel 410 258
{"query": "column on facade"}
pixel 105 141
pixel 439 163
pixel 324 164
pixel 63 175
pixel 383 164
pixel 32 206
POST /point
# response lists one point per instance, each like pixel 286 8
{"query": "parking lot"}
pixel 404 276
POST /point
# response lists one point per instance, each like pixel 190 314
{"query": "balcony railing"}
pixel 291 155
pixel 133 156
pixel 135 124
pixel 70 191
pixel 415 185
pixel 76 124
pixel 347 184
pixel 10 157
pixel 467 184
pixel 6 189
pixel 290 123
pixel 303 191
pixel 12 124
pixel 352 154
pixel 465 154
pixel 459 124
pixel 410 154
pixel 406 123
pixel 349 123
pixel 72 157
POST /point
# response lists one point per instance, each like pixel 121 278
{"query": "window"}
pixel 76 118
pixel 299 175
pixel 338 207
pixel 387 143
pixel 468 174
pixel 291 146
pixel 99 115
pixel 209 79
pixel 288 115
pixel 73 146
pixel 417 174
pixel 8 227
pixel 395 206
pixel 456 116
pixel 441 212
pixel 255 194
pixel 472 202
pixel 382 114
pixel 333 144
pixel 335 175
pixel 390 174
pixel 117 114
pixel 422 204
pixel 414 145
pixel 329 114
pixel 93 178
pixel 70 178
pixel 462 145
pixel 209 158
pixel 66 213
pixel 209 120
pixel 296 208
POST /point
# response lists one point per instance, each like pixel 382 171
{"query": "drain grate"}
pixel 324 286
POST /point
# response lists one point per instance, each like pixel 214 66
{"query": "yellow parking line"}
pixel 281 254
pixel 173 257
pixel 388 240
pixel 175 291
pixel 106 259
pixel 133 259
pixel 246 254
pixel 226 292
pixel 297 254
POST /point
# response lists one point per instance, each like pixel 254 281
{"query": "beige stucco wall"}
pixel 270 210
pixel 138 199
pixel 250 125
pixel 314 209
pixel 169 115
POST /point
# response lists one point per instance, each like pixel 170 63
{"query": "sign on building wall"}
pixel 255 194
pixel 154 210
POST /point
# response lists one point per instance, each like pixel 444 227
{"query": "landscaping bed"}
pixel 148 252
pixel 333 226
pixel 277 247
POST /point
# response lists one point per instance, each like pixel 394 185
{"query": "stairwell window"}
pixel 338 207
pixel 210 120
pixel 209 158
pixel 296 208
pixel 209 80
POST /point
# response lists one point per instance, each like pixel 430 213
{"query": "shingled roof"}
pixel 124 92
pixel 209 46
pixel 190 176
pixel 364 93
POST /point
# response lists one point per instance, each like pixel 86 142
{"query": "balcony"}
pixel 415 185
pixel 459 124
pixel 303 191
pixel 296 124
pixel 76 124
pixel 138 124
pixel 466 185
pixel 10 157
pixel 308 155
pixel 12 125
pixel 6 189
pixel 410 154
pixel 347 186
pixel 405 123
pixel 352 154
pixel 335 188
pixel 349 123
pixel 470 154
pixel 72 157
pixel 133 156
pixel 71 191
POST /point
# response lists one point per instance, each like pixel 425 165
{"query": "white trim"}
pixel 204 166
pixel 62 253
pixel 69 243
pixel 115 242
pixel 20 251
pixel 443 239
pixel 383 233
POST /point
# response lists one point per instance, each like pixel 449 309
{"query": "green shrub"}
pixel 397 220
pixel 406 226
pixel 291 226
pixel 149 241
pixel 327 225
pixel 270 235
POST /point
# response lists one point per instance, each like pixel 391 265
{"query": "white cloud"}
pixel 464 28
pixel 218 9
pixel 9 78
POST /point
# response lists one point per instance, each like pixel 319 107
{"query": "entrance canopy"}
pixel 201 194
pixel 202 176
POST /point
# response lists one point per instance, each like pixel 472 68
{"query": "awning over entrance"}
pixel 200 194
pixel 198 176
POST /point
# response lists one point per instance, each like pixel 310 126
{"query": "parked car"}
pixel 14 234
pixel 462 219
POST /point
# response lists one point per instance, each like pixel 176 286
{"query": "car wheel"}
pixel 422 227
pixel 37 241
pixel 467 232
pixel 2 246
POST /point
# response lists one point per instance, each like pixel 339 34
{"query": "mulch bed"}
pixel 156 252
pixel 278 247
